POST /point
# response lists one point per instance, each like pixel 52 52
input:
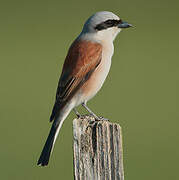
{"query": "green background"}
pixel 141 91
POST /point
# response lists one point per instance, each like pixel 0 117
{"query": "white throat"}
pixel 108 34
pixel 105 36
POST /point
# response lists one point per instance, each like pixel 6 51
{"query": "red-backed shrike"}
pixel 84 71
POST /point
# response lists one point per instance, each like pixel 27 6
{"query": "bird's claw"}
pixel 99 118
pixel 103 119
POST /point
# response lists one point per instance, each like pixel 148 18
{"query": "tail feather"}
pixel 45 155
pixel 56 126
pixel 55 111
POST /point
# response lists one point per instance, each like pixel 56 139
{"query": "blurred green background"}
pixel 141 92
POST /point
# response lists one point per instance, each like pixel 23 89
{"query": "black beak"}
pixel 123 24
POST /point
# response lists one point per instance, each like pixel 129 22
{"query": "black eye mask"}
pixel 107 24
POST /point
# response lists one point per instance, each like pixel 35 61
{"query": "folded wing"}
pixel 81 61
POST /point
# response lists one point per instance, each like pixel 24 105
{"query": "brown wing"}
pixel 82 59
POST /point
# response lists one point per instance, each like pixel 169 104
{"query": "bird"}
pixel 84 71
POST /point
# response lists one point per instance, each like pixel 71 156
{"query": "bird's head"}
pixel 104 25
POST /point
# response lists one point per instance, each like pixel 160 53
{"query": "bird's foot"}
pixel 78 114
pixel 102 119
pixel 99 118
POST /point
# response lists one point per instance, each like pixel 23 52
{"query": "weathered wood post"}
pixel 97 150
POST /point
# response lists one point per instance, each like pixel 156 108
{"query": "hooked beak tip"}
pixel 125 25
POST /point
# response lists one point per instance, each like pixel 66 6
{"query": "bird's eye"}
pixel 107 24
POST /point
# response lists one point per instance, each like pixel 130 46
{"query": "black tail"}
pixel 45 155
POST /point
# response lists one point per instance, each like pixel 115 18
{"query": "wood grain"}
pixel 97 150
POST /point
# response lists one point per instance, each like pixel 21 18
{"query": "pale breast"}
pixel 94 84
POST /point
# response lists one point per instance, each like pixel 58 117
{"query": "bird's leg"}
pixel 77 113
pixel 92 113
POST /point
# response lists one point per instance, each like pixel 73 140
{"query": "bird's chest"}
pixel 98 77
pixel 102 70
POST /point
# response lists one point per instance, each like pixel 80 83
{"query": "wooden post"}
pixel 97 150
